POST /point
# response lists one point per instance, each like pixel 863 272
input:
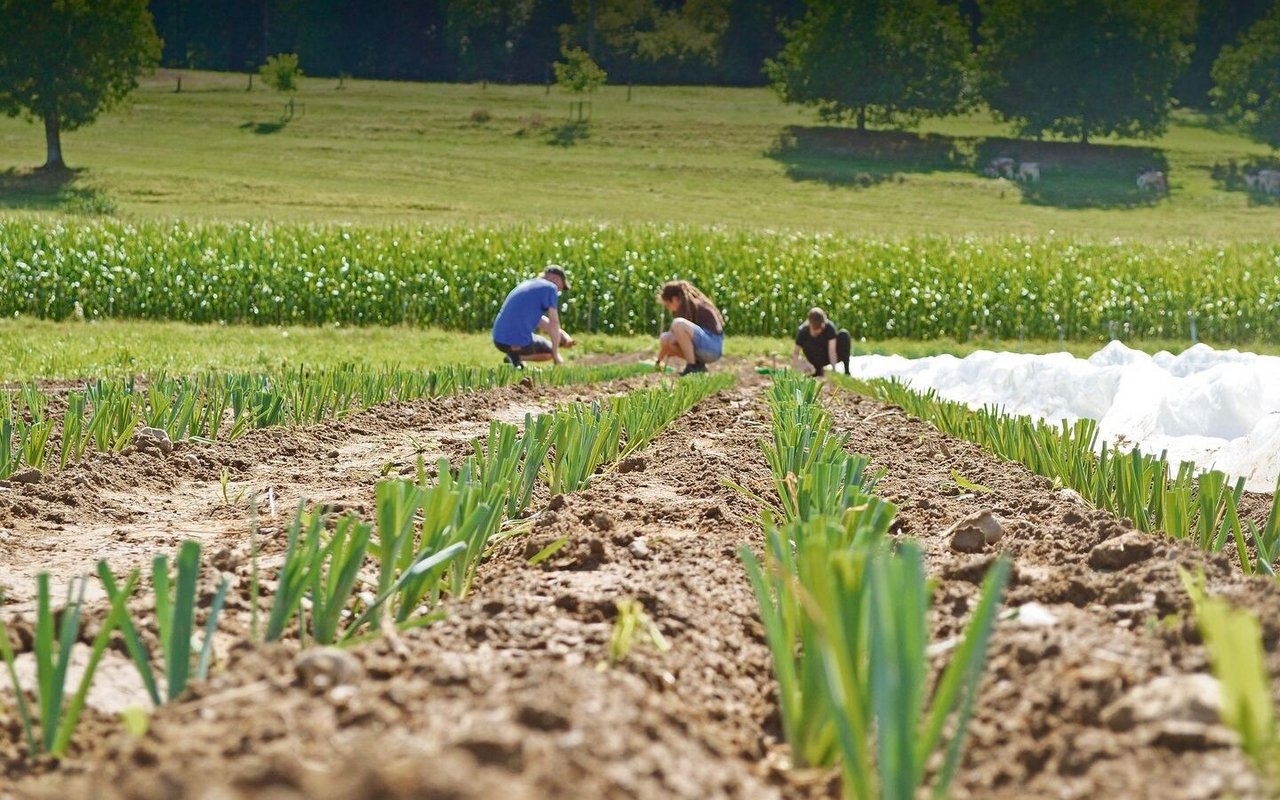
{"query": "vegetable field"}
pixel 913 288
pixel 602 581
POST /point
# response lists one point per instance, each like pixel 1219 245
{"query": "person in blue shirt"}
pixel 531 307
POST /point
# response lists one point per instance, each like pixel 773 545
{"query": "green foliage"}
pixel 1247 80
pixel 764 281
pixel 54 715
pixel 65 63
pixel 877 60
pixel 176 598
pixel 578 73
pixel 281 72
pixel 1082 68
pixel 1233 637
pixel 847 622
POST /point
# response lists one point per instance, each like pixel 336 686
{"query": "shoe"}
pixel 690 369
pixel 514 360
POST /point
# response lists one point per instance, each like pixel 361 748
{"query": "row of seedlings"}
pixel 106 415
pixel 846 615
pixel 1145 489
pixel 344 580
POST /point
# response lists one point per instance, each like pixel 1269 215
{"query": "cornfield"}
pixel 917 288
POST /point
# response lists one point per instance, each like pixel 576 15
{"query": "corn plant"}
pixel 917 287
pixel 54 716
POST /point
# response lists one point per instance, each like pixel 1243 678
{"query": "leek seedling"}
pixel 176 622
pixel 1233 638
pixel 56 719
pixel 632 621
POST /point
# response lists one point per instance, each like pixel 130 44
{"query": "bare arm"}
pixel 831 351
pixel 553 333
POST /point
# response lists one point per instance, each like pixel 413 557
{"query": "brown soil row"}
pixel 127 507
pixel 508 695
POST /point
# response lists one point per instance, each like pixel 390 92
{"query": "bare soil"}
pixel 513 694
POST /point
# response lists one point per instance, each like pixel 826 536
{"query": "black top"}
pixel 816 348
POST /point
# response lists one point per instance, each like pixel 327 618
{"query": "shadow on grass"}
pixel 1230 177
pixel 568 134
pixel 52 190
pixel 1074 175
pixel 264 128
pixel 850 158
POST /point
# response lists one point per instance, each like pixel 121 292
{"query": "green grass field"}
pixel 71 350
pixel 377 152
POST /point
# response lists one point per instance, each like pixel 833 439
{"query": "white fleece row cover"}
pixel 1218 409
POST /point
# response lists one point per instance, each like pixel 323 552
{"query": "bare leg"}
pixel 682 330
pixel 667 348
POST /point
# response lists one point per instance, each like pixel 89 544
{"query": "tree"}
pixel 1081 68
pixel 1218 23
pixel 1247 80
pixel 65 63
pixel 874 60
pixel 578 74
pixel 281 72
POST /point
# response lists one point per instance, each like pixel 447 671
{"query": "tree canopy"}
pixel 877 60
pixel 1247 80
pixel 1081 68
pixel 65 63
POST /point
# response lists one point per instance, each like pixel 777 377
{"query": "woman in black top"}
pixel 821 344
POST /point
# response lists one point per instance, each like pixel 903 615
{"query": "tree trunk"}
pixel 862 119
pixel 53 138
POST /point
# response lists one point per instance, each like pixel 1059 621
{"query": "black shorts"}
pixel 539 346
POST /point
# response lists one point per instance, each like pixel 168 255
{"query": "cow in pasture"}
pixel 1029 171
pixel 1251 181
pixel 1002 166
pixel 1152 180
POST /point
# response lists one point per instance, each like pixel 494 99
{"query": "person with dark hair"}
pixel 530 307
pixel 821 344
pixel 697 328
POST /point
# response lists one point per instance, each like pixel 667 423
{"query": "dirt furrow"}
pixel 1097 688
pixel 514 694
pixel 126 508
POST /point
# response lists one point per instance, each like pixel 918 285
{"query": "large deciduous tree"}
pixel 1082 68
pixel 64 62
pixel 1247 80
pixel 874 60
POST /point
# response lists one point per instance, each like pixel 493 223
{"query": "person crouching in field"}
pixel 821 344
pixel 697 330
pixel 531 307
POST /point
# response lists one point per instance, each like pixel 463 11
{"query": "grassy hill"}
pixel 374 152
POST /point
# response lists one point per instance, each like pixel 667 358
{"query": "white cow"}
pixel 1269 181
pixel 1002 166
pixel 1251 181
pixel 1029 171
pixel 1152 180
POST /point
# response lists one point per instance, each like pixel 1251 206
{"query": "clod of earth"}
pixel 1193 699
pixel 1122 551
pixel 27 476
pixel 973 533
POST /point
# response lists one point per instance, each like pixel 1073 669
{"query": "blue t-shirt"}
pixel 522 311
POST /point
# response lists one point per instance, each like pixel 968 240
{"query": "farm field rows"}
pixel 507 694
